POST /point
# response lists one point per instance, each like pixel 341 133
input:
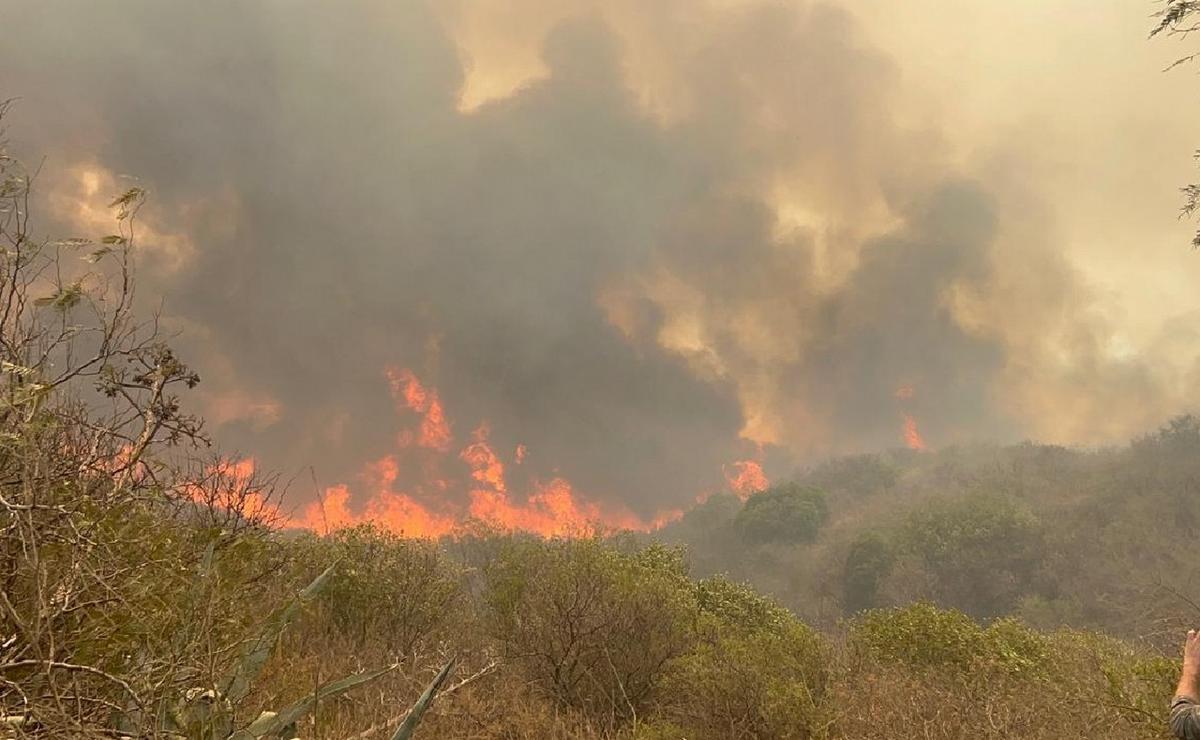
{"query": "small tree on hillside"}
pixel 786 514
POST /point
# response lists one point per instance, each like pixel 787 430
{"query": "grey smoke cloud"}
pixel 611 287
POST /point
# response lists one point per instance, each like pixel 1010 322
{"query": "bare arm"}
pixel 1191 668
pixel 1185 707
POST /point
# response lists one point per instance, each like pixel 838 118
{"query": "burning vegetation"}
pixel 612 328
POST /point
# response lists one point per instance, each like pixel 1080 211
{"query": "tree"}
pixel 592 626
pixel 787 514
pixel 981 552
pixel 869 561
pixel 87 396
pixel 1178 17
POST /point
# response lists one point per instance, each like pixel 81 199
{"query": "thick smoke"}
pixel 701 231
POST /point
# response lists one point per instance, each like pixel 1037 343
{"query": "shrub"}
pixel 754 671
pixel 592 626
pixel 784 514
pixel 858 475
pixel 918 635
pixel 868 562
pixel 385 587
pixel 981 552
pixel 924 636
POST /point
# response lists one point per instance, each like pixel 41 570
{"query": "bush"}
pixel 924 636
pixel 592 626
pixel 754 671
pixel 981 552
pixel 386 586
pixel 858 475
pixel 868 562
pixel 785 514
pixel 919 635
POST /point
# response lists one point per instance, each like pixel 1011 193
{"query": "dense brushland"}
pixel 1101 539
pixel 1024 591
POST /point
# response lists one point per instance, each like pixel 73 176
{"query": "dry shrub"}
pixel 591 626
pixel 400 592
pixel 923 672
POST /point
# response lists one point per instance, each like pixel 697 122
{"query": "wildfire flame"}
pixel 745 478
pixel 230 485
pixel 434 431
pixel 549 508
pixel 912 435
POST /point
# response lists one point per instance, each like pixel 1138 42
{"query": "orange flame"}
pixel 434 432
pixel 395 512
pixel 912 436
pixel 229 485
pixel 746 478
pixel 551 508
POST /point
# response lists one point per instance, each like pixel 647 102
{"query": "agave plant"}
pixel 208 713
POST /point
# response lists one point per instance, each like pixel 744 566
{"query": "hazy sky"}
pixel 642 240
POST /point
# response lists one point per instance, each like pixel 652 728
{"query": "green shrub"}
pixel 754 671
pixel 923 636
pixel 982 553
pixel 388 587
pixel 918 635
pixel 868 562
pixel 786 514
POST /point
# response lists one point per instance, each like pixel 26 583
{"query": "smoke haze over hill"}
pixel 623 246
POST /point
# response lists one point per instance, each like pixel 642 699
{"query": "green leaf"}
pixel 127 201
pixel 113 239
pixel 409 726
pixel 67 297
pixel 256 652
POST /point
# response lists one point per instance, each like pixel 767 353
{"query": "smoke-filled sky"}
pixel 624 245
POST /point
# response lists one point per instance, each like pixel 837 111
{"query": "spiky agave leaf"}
pixel 409 725
pixel 256 652
pixel 272 723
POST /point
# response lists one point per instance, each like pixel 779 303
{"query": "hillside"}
pixel 1099 539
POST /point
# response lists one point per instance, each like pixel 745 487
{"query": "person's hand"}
pixel 1191 654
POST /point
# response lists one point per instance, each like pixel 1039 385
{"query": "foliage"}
pixel 783 514
pixel 922 635
pixel 593 626
pixel 868 563
pixel 754 671
pixel 859 475
pixel 982 552
pixel 401 589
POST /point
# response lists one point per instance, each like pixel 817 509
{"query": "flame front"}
pixel 434 431
pixel 551 507
pixel 746 478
